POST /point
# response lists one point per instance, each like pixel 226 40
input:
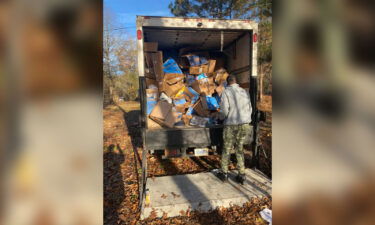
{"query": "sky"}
pixel 126 10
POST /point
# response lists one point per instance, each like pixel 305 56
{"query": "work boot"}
pixel 241 178
pixel 223 176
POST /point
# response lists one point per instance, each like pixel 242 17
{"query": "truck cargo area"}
pixel 231 44
pixel 233 48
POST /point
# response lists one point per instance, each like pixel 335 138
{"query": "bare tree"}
pixel 119 61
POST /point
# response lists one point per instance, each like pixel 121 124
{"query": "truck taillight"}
pixel 139 34
pixel 255 37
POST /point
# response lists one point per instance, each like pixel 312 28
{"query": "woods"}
pixel 119 62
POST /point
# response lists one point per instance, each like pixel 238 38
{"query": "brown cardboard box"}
pixel 198 69
pixel 150 81
pixel 172 118
pixel 204 86
pixel 160 111
pixel 157 59
pixel 211 66
pixel 221 76
pixel 199 109
pixel 164 114
pixel 150 46
pixel 172 83
pixel 152 124
pixel 200 86
pixel 205 68
pixel 211 86
pixel 154 64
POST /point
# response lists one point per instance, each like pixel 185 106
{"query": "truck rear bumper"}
pixel 174 138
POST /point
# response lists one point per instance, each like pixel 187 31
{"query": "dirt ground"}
pixel 122 167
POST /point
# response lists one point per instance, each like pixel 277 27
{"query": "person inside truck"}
pixel 235 110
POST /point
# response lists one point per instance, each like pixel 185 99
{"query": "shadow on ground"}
pixel 114 190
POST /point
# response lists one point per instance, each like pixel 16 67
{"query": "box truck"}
pixel 231 44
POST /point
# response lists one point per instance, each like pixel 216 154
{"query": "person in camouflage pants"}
pixel 234 136
pixel 235 110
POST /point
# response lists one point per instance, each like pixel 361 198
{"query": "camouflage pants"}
pixel 234 136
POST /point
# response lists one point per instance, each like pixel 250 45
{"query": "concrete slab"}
pixel 202 191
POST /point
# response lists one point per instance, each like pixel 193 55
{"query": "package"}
pixel 204 86
pixel 200 110
pixel 165 114
pixel 211 66
pixel 199 121
pixel 150 46
pixel 192 94
pixel 198 69
pixel 189 79
pixel 172 83
pixel 161 111
pixel 221 76
pixel 170 66
pixel 152 124
pixel 204 68
pixel 154 64
pixel 172 118
pixel 180 104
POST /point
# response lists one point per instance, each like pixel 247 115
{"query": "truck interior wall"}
pixel 239 59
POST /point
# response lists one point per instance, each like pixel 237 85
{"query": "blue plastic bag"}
pixel 212 103
pixel 170 66
pixel 201 76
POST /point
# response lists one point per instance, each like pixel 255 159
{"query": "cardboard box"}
pixel 172 118
pixel 205 68
pixel 198 69
pixel 204 86
pixel 221 76
pixel 164 114
pixel 154 64
pixel 161 111
pixel 150 46
pixel 211 66
pixel 172 83
pixel 152 124
pixel 199 109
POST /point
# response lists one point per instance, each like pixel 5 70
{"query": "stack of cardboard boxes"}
pixel 182 94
